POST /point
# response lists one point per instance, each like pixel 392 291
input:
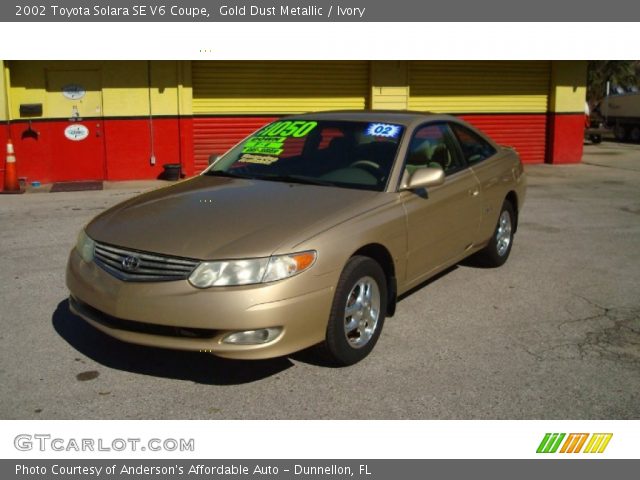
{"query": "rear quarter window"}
pixel 474 148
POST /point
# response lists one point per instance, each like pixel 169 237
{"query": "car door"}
pixel 441 221
pixel 485 162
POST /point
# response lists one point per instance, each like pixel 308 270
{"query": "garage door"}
pixel 508 100
pixel 231 99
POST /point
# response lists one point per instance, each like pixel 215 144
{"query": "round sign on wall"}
pixel 76 132
pixel 73 91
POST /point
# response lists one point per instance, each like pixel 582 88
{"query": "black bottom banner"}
pixel 584 469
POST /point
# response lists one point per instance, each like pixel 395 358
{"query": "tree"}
pixel 622 73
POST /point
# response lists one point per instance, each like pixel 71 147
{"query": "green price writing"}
pixel 297 129
pixel 270 140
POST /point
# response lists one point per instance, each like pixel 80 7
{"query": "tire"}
pixel 497 251
pixel 620 132
pixel 634 134
pixel 348 340
pixel 595 138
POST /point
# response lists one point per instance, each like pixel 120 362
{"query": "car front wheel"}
pixel 358 312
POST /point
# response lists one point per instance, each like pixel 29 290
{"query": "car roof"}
pixel 401 117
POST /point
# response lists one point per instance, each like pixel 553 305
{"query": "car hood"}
pixel 210 217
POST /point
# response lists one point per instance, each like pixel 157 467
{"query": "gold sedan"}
pixel 304 233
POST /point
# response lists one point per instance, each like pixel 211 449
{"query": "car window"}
pixel 474 148
pixel 432 146
pixel 335 153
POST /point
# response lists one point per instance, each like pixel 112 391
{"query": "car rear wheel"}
pixel 358 312
pixel 499 247
pixel 634 134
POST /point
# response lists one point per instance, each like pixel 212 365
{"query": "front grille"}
pixel 135 266
pixel 139 327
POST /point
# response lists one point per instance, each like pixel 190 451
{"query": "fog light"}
pixel 253 337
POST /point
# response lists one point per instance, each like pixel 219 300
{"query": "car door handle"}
pixel 474 192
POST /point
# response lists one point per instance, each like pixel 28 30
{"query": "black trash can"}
pixel 171 171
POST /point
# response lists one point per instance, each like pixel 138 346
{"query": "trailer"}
pixel 622 114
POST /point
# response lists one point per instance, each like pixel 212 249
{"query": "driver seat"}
pixel 440 157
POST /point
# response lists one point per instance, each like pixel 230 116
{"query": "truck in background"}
pixel 621 113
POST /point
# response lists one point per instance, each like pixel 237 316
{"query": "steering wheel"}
pixel 367 163
pixel 370 167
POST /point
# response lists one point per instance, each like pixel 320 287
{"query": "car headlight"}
pixel 85 246
pixel 250 271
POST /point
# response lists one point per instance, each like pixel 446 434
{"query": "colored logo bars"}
pixel 597 442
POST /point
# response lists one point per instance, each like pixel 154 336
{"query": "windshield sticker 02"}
pixel 270 140
pixel 385 130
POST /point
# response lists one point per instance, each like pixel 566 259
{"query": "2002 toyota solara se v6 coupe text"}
pixel 304 233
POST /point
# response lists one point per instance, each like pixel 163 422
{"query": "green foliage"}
pixel 623 73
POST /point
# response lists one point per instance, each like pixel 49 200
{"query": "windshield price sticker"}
pixel 259 159
pixel 270 140
pixel 386 130
pixel 264 145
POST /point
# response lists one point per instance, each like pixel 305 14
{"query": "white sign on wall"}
pixel 76 132
pixel 73 91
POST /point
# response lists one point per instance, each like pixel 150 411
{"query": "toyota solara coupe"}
pixel 303 234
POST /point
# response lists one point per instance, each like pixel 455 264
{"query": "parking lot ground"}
pixel 553 334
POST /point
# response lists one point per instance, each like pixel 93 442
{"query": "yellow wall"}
pixel 4 72
pixel 568 86
pixel 27 85
pixel 285 87
pixel 125 89
pixel 389 85
pixel 124 86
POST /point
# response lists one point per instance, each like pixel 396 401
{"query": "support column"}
pixel 565 118
pixel 4 117
pixel 185 117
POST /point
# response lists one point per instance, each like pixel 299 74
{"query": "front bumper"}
pixel 176 315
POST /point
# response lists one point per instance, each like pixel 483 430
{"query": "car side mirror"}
pixel 422 178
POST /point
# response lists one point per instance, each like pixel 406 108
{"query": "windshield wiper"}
pixel 296 179
pixel 226 173
pixel 275 178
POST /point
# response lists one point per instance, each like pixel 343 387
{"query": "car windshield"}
pixel 334 153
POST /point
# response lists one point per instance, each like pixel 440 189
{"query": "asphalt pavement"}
pixel 553 334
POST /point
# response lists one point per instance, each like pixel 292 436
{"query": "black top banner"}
pixel 323 11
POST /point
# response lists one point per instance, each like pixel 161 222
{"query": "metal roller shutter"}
pixel 508 100
pixel 233 98
pixel 278 86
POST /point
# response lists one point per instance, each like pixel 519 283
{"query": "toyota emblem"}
pixel 130 263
